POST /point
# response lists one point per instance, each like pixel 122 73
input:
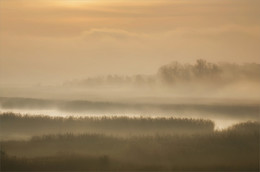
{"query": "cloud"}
pixel 110 33
pixel 180 33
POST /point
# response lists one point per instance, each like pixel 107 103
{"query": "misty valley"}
pixel 130 85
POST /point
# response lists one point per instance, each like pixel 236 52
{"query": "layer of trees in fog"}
pixel 15 126
pixel 202 72
pixel 175 80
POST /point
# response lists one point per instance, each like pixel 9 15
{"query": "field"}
pixel 30 143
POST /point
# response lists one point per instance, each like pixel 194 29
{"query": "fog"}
pixel 202 116
pixel 226 93
pixel 201 73
pixel 201 79
pixel 177 81
pixel 223 114
pixel 129 85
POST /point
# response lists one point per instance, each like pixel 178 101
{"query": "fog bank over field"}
pixel 175 73
pixel 222 113
pixel 175 81
pixel 226 93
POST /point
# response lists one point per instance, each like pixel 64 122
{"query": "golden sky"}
pixel 56 40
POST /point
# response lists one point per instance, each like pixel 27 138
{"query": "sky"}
pixel 50 41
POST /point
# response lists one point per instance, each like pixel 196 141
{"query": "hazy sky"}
pixel 56 40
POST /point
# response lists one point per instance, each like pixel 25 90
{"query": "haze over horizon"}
pixel 45 41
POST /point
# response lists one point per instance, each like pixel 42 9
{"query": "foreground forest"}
pixel 124 143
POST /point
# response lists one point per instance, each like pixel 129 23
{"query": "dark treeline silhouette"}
pixel 236 149
pixel 201 72
pixel 204 71
pixel 18 126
